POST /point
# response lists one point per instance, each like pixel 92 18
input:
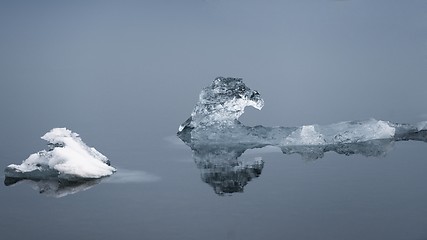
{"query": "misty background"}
pixel 126 74
pixel 135 61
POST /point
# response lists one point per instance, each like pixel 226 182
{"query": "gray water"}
pixel 126 75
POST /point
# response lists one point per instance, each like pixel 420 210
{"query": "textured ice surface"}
pixel 214 124
pixel 67 157
pixel 214 120
pixel 344 132
pixel 222 103
pixel 218 139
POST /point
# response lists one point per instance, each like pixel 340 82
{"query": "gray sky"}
pixel 126 74
pixel 313 61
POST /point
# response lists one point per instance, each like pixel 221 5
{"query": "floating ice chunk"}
pixel 305 135
pixel 359 131
pixel 339 133
pixel 214 121
pixel 68 157
pixel 218 139
pixel 222 103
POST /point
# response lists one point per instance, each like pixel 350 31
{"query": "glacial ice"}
pixel 222 103
pixel 214 120
pixel 67 158
pixel 218 139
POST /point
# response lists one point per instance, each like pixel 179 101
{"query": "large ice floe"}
pixel 68 158
pixel 214 120
pixel 217 138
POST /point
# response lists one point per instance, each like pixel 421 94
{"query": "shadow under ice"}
pixel 54 187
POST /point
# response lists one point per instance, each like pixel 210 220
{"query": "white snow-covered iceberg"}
pixel 67 157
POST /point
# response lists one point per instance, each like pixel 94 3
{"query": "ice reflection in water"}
pixel 131 176
pixel 222 167
pixel 58 188
pixel 218 139
pixel 55 187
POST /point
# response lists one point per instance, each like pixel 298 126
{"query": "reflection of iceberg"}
pixel 218 139
pixel 57 187
pixel 220 168
pixel 54 187
pixel 68 158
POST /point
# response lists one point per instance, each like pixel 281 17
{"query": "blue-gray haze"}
pixel 126 74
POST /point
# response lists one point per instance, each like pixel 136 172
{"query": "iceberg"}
pixel 214 120
pixel 67 158
pixel 222 103
pixel 218 139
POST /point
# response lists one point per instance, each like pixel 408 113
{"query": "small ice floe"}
pixel 67 158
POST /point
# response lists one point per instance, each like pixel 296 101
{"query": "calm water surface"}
pixel 335 197
pixel 126 76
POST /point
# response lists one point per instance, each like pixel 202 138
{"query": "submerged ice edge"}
pixel 67 157
pixel 214 120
